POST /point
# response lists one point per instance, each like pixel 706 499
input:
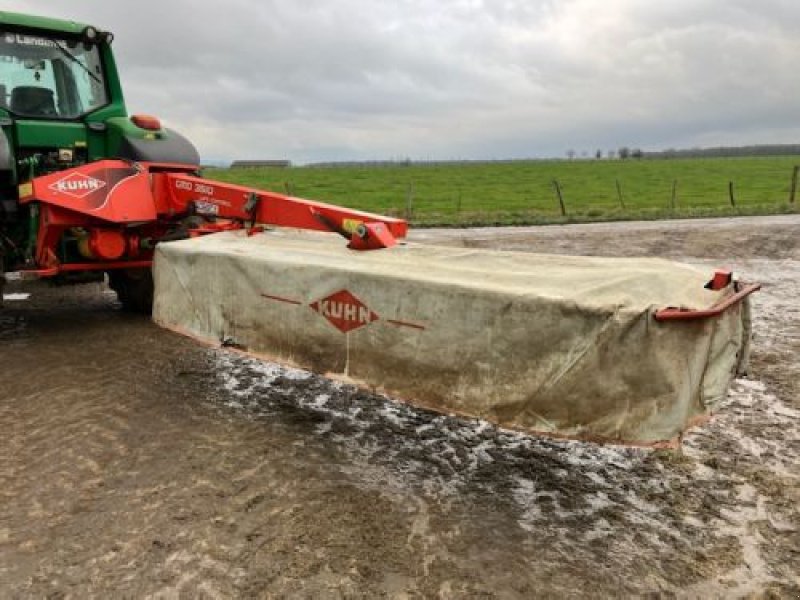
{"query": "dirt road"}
pixel 135 463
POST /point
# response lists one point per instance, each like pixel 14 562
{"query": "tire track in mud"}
pixel 121 480
pixel 568 504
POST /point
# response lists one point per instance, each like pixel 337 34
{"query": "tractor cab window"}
pixel 50 78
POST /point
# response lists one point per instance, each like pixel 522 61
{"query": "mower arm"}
pixel 189 194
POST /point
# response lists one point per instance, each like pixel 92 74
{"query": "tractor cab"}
pixel 59 89
pixel 51 77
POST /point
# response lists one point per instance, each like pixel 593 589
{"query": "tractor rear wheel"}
pixel 134 288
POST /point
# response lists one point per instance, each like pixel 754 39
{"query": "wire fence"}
pixel 544 191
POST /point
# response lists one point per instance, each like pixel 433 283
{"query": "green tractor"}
pixel 61 107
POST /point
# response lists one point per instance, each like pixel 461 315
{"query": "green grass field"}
pixel 523 192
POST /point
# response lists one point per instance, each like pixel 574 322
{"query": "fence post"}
pixel 794 184
pixel 289 188
pixel 730 193
pixel 557 187
pixel 619 194
pixel 409 200
pixel 674 198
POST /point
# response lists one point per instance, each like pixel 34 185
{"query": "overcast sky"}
pixel 315 80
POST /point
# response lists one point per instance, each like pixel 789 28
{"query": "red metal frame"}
pixel 145 201
pixel 722 279
pixel 93 266
pixel 186 194
pixel 685 314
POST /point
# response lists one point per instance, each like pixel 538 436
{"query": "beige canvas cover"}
pixel 559 344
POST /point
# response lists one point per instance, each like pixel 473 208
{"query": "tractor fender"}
pixel 169 147
pixel 125 140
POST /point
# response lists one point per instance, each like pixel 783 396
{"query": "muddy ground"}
pixel 136 463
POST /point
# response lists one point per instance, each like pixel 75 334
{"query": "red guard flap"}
pixel 112 190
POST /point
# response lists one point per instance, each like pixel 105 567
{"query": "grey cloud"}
pixel 464 78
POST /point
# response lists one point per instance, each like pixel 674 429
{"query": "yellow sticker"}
pixel 80 144
pixel 25 189
pixel 150 136
pixel 351 225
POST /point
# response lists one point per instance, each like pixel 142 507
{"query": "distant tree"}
pixel 599 154
pixel 570 154
pixel 624 152
pixel 637 153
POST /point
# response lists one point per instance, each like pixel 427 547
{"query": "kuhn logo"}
pixel 77 185
pixel 344 311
